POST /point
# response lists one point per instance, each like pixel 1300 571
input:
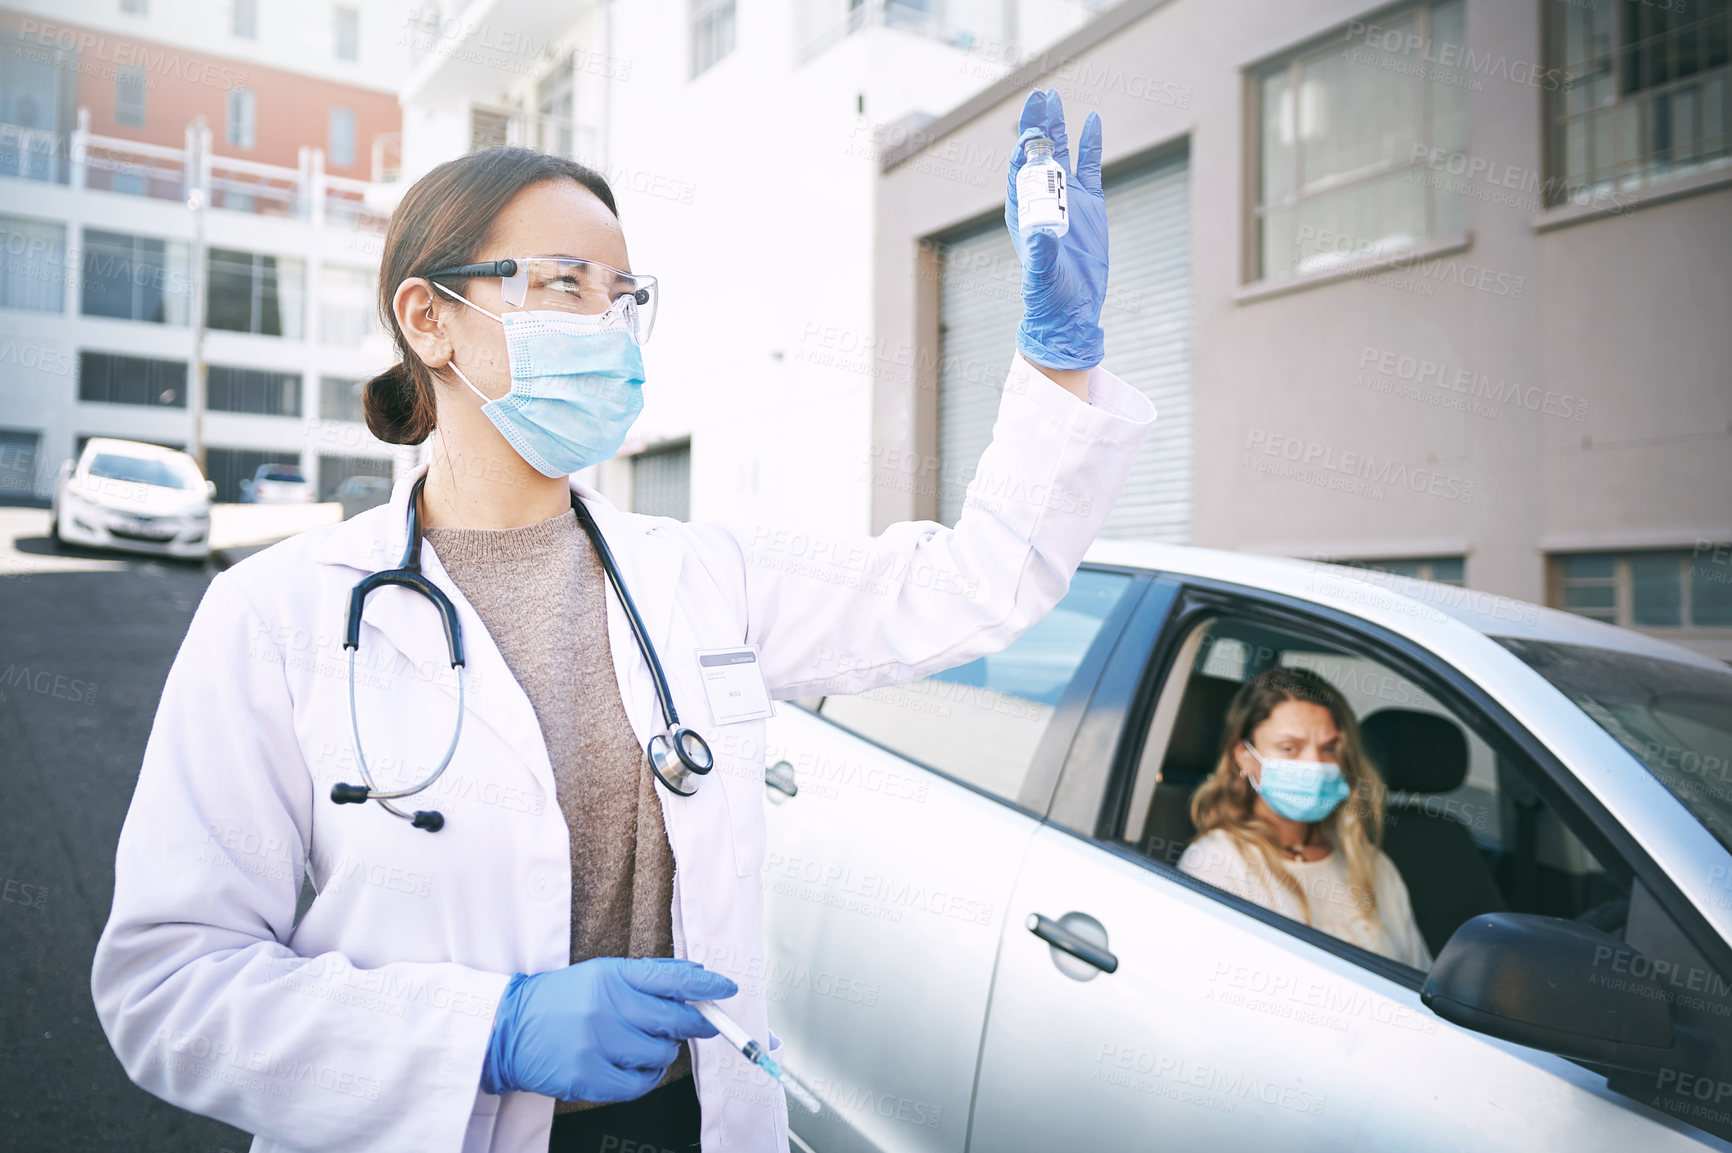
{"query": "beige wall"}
pixel 1618 327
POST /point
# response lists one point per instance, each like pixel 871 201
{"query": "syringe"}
pixel 755 1053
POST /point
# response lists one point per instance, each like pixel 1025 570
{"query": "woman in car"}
pixel 1292 815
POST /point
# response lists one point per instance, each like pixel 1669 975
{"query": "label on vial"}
pixel 1040 199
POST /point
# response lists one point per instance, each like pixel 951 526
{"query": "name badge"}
pixel 734 684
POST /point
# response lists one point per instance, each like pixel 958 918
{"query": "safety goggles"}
pixel 566 284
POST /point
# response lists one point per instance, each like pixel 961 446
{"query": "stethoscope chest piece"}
pixel 678 757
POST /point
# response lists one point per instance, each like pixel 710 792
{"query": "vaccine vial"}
pixel 1040 191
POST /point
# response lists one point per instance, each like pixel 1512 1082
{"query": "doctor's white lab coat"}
pixel 363 1026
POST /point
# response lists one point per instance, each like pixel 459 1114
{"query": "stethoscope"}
pixel 677 755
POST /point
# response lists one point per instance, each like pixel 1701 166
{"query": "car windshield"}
pixel 284 472
pixel 1675 718
pixel 142 470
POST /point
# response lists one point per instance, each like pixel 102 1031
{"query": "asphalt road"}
pixel 86 641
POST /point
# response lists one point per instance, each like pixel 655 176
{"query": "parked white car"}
pixel 277 484
pixel 979 939
pixel 141 497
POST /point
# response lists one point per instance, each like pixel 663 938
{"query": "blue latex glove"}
pixel 1064 279
pixel 600 1030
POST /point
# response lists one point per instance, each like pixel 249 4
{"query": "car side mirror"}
pixel 210 489
pixel 1555 985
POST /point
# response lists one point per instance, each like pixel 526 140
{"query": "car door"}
pixel 897 823
pixel 1135 1007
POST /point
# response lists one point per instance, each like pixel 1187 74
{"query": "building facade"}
pixel 191 233
pixel 744 150
pixel 1440 286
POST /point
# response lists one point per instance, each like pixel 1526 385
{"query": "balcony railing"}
pixel 133 168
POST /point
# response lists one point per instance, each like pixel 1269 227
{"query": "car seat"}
pixel 1422 755
pixel 1191 754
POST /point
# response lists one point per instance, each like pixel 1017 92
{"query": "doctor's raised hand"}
pixel 1061 237
pixel 480 720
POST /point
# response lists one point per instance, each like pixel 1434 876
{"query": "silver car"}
pixel 276 483
pixel 979 938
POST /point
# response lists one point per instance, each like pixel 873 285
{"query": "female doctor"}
pixel 503 960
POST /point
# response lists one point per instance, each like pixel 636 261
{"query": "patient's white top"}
pixel 1391 931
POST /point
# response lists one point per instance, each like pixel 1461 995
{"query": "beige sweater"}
pixel 541 592
pixel 1334 904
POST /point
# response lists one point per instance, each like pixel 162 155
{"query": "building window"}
pixel 1645 95
pixel 1350 136
pixel 488 128
pixel 240 121
pixel 1445 570
pixel 1675 589
pixel 661 481
pixel 108 379
pixel 33 276
pixel 340 147
pixel 712 33
pixel 555 104
pixel 229 468
pixel 245 19
pixel 348 34
pixel 35 106
pixel 252 292
pixel 346 305
pixel 334 470
pixel 340 399
pixel 135 278
pixel 129 96
pixel 252 390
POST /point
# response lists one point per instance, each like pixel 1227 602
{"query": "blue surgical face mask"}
pixel 1300 790
pixel 576 386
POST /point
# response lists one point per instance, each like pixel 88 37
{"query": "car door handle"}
pixel 1062 938
pixel 780 776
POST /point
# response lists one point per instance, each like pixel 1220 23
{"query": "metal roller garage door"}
pixel 1148 332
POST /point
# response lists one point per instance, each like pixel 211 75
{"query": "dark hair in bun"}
pixel 444 219
pixel 398 411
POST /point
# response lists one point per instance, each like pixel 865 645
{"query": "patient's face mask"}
pixel 576 384
pixel 1300 790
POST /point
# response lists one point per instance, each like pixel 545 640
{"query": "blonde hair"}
pixel 1226 800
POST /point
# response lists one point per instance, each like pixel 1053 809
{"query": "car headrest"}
pixel 1196 740
pixel 1416 752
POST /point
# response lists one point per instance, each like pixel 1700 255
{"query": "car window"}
pixel 141 470
pixel 280 472
pixel 1463 825
pixel 1675 718
pixel 981 722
